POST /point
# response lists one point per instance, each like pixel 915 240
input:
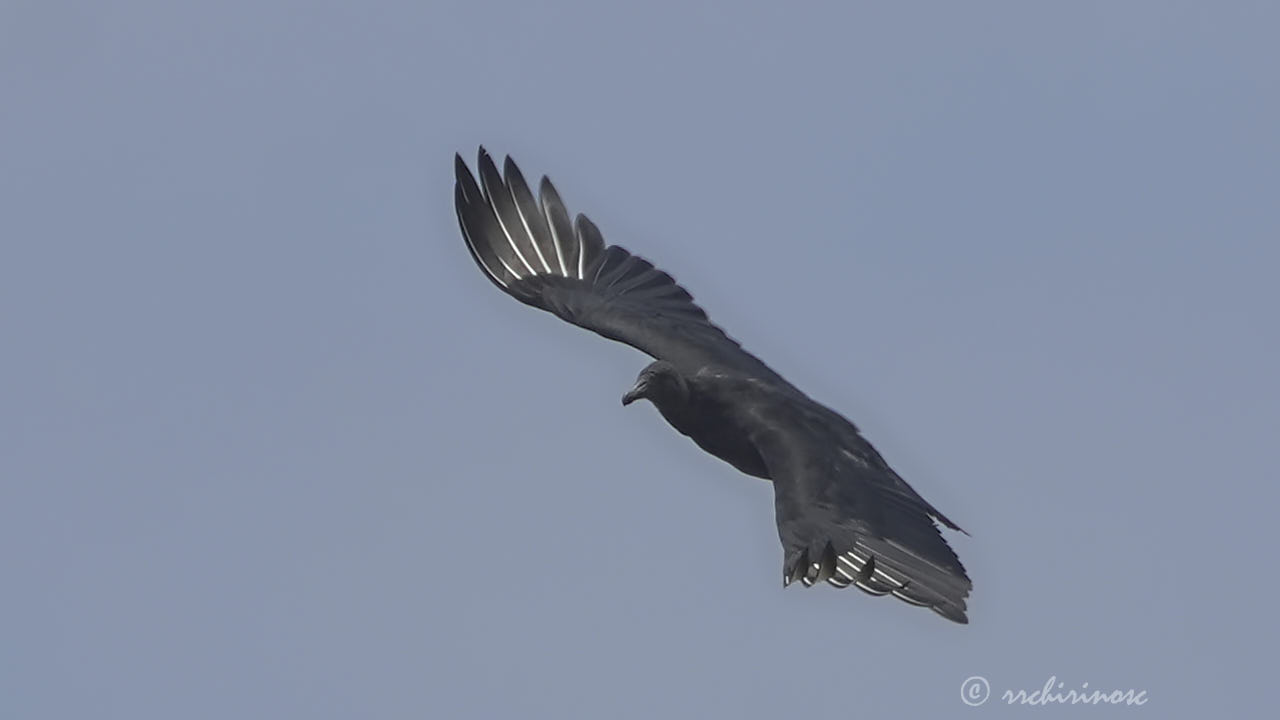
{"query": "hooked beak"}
pixel 635 393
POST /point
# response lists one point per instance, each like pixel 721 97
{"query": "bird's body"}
pixel 704 416
pixel 844 516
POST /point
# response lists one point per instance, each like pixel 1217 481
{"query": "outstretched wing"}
pixel 843 514
pixel 531 250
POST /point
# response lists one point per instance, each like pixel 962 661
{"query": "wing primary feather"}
pixel 481 257
pixel 561 228
pixel 887 577
pixel 902 595
pixel 527 211
pixel 872 588
pixel 480 228
pixel 495 191
pixel 592 243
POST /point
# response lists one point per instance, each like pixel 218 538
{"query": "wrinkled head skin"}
pixel 661 384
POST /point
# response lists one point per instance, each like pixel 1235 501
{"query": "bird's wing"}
pixel 843 515
pixel 531 250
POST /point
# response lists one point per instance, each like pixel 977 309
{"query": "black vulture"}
pixel 843 515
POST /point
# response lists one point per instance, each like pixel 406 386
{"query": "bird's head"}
pixel 661 384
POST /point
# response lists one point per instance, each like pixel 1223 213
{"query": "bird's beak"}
pixel 635 393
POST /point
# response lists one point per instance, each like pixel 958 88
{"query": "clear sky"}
pixel 271 446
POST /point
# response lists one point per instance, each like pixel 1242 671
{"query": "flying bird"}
pixel 843 515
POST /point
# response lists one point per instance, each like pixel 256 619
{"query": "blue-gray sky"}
pixel 271 446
